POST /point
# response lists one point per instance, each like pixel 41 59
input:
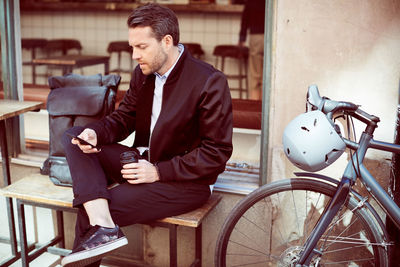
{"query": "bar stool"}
pixel 32 44
pixel 120 47
pixel 240 53
pixel 195 49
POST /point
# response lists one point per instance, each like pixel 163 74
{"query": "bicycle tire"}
pixel 250 238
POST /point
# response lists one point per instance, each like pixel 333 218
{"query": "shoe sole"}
pixel 87 257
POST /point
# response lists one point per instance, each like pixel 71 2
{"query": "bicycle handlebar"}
pixel 329 107
pixel 326 105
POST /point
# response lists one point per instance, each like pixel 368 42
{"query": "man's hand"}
pixel 89 136
pixel 141 172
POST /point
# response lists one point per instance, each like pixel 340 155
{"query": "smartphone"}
pixel 83 142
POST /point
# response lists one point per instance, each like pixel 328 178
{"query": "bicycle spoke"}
pixel 248 238
pixel 283 240
pixel 349 240
pixel 340 235
pixel 249 264
pixel 345 248
pixel 254 212
pixel 247 247
pixel 348 261
pixel 295 209
pixel 312 213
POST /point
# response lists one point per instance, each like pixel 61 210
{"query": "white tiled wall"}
pixel 96 29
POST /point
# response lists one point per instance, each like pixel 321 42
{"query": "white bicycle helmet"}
pixel 311 142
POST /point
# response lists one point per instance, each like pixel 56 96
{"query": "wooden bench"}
pixel 38 190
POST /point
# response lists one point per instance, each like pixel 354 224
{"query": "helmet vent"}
pixel 288 151
pixel 305 128
pixel 315 122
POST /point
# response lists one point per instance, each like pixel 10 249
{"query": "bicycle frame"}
pixel 381 196
pixel 354 169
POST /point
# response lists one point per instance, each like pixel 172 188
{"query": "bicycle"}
pixel 312 219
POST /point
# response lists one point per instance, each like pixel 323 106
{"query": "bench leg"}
pixel 6 181
pixel 12 230
pixel 60 228
pixel 22 233
pixel 173 246
pixel 198 248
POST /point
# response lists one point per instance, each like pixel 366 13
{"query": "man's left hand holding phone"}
pixel 86 140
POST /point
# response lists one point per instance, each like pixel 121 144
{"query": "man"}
pixel 253 17
pixel 180 110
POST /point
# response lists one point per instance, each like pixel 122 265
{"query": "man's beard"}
pixel 159 61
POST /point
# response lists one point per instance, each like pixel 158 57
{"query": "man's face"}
pixel 150 54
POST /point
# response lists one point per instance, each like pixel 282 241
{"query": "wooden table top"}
pixel 11 108
pixel 72 60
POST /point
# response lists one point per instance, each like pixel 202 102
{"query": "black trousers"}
pixel 92 174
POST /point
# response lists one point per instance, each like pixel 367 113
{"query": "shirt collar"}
pixel 165 76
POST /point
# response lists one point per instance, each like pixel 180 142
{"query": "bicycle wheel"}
pixel 269 227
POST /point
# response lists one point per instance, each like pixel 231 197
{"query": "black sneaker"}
pixel 96 243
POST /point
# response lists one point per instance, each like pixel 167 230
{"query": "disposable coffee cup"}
pixel 128 157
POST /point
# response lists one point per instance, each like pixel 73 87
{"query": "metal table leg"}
pixel 30 253
pixel 7 181
pixel 22 234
